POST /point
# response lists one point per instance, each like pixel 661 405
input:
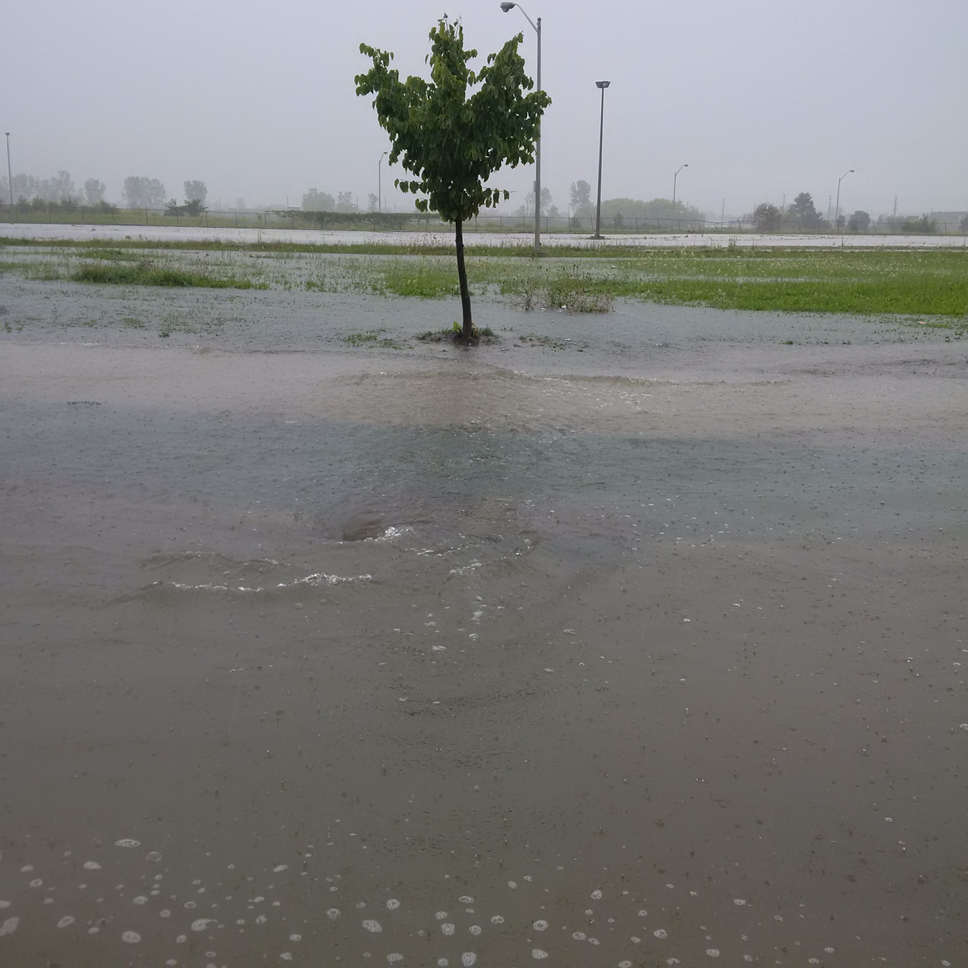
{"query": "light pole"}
pixel 837 214
pixel 537 144
pixel 601 85
pixel 675 178
pixel 9 173
pixel 379 182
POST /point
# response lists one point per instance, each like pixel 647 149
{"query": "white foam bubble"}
pixel 280 868
pixel 440 915
pixel 392 904
pixel 332 914
pixel 712 952
pixel 739 901
pixel 497 919
pixel 597 895
pixel 538 954
pixel 465 899
pixel 65 921
pixel 127 842
pixel 295 937
pixel 373 926
pixel 579 935
pixel 164 914
pixel 91 865
pixel 394 957
pixel 141 899
pixel 130 937
pixel 540 925
pixel 475 929
pixel 468 958
pixel 447 929
pixel 202 923
pixel 661 933
pixel 154 856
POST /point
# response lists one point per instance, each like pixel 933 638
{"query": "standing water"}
pixel 637 640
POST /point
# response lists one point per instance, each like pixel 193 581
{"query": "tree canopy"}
pixel 450 141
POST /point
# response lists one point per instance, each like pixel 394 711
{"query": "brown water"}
pixel 647 654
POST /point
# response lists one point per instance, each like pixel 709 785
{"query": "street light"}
pixel 837 213
pixel 379 182
pixel 601 85
pixel 9 173
pixel 675 178
pixel 506 7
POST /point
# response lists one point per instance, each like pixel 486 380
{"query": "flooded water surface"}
pixel 635 639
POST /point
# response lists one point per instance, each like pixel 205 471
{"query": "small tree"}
pixel 453 143
pixel 195 191
pixel 581 194
pixel 314 201
pixel 93 192
pixel 767 218
pixel 860 221
pixel 803 212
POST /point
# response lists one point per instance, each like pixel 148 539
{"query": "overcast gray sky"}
pixel 762 98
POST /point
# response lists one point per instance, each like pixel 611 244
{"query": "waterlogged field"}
pixel 625 638
pixel 907 283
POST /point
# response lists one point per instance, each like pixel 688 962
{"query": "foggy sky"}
pixel 761 98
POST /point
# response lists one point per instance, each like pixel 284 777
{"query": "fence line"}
pixel 416 221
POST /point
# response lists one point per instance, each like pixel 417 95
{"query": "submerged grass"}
pixel 147 274
pixel 932 282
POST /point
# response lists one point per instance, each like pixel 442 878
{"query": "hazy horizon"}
pixel 761 101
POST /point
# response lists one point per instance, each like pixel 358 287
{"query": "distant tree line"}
pixel 61 192
pixel 802 216
pixel 317 201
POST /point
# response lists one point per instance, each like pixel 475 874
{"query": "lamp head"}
pixel 507 6
pixel 602 84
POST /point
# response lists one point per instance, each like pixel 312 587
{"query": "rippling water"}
pixel 651 655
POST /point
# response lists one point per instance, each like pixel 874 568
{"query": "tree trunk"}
pixel 465 294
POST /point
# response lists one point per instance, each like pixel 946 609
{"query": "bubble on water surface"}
pixel 164 914
pixel 447 928
pixel 712 952
pixel 286 956
pixel 91 865
pixel 739 901
pixel 597 895
pixel 392 904
pixel 332 914
pixel 372 926
pixel 440 915
pixel 65 921
pixel 475 929
pixel 497 919
pixel 468 958
pixel 540 925
pixel 202 923
pixel 127 842
pixel 464 899
pixel 579 935
pixel 154 856
pixel 140 899
pixel 280 868
pixel 131 937
pixel 538 954
pixel 395 957
pixel 661 933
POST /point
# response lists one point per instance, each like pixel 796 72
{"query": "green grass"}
pixel 911 283
pixel 146 274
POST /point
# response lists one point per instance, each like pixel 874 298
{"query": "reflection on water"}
pixel 454 662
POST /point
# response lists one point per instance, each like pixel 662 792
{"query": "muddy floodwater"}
pixel 629 639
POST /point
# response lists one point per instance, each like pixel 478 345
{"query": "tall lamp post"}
pixel 837 215
pixel 675 178
pixel 379 182
pixel 601 85
pixel 506 7
pixel 9 172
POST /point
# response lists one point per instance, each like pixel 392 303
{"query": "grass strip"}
pixel 148 275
